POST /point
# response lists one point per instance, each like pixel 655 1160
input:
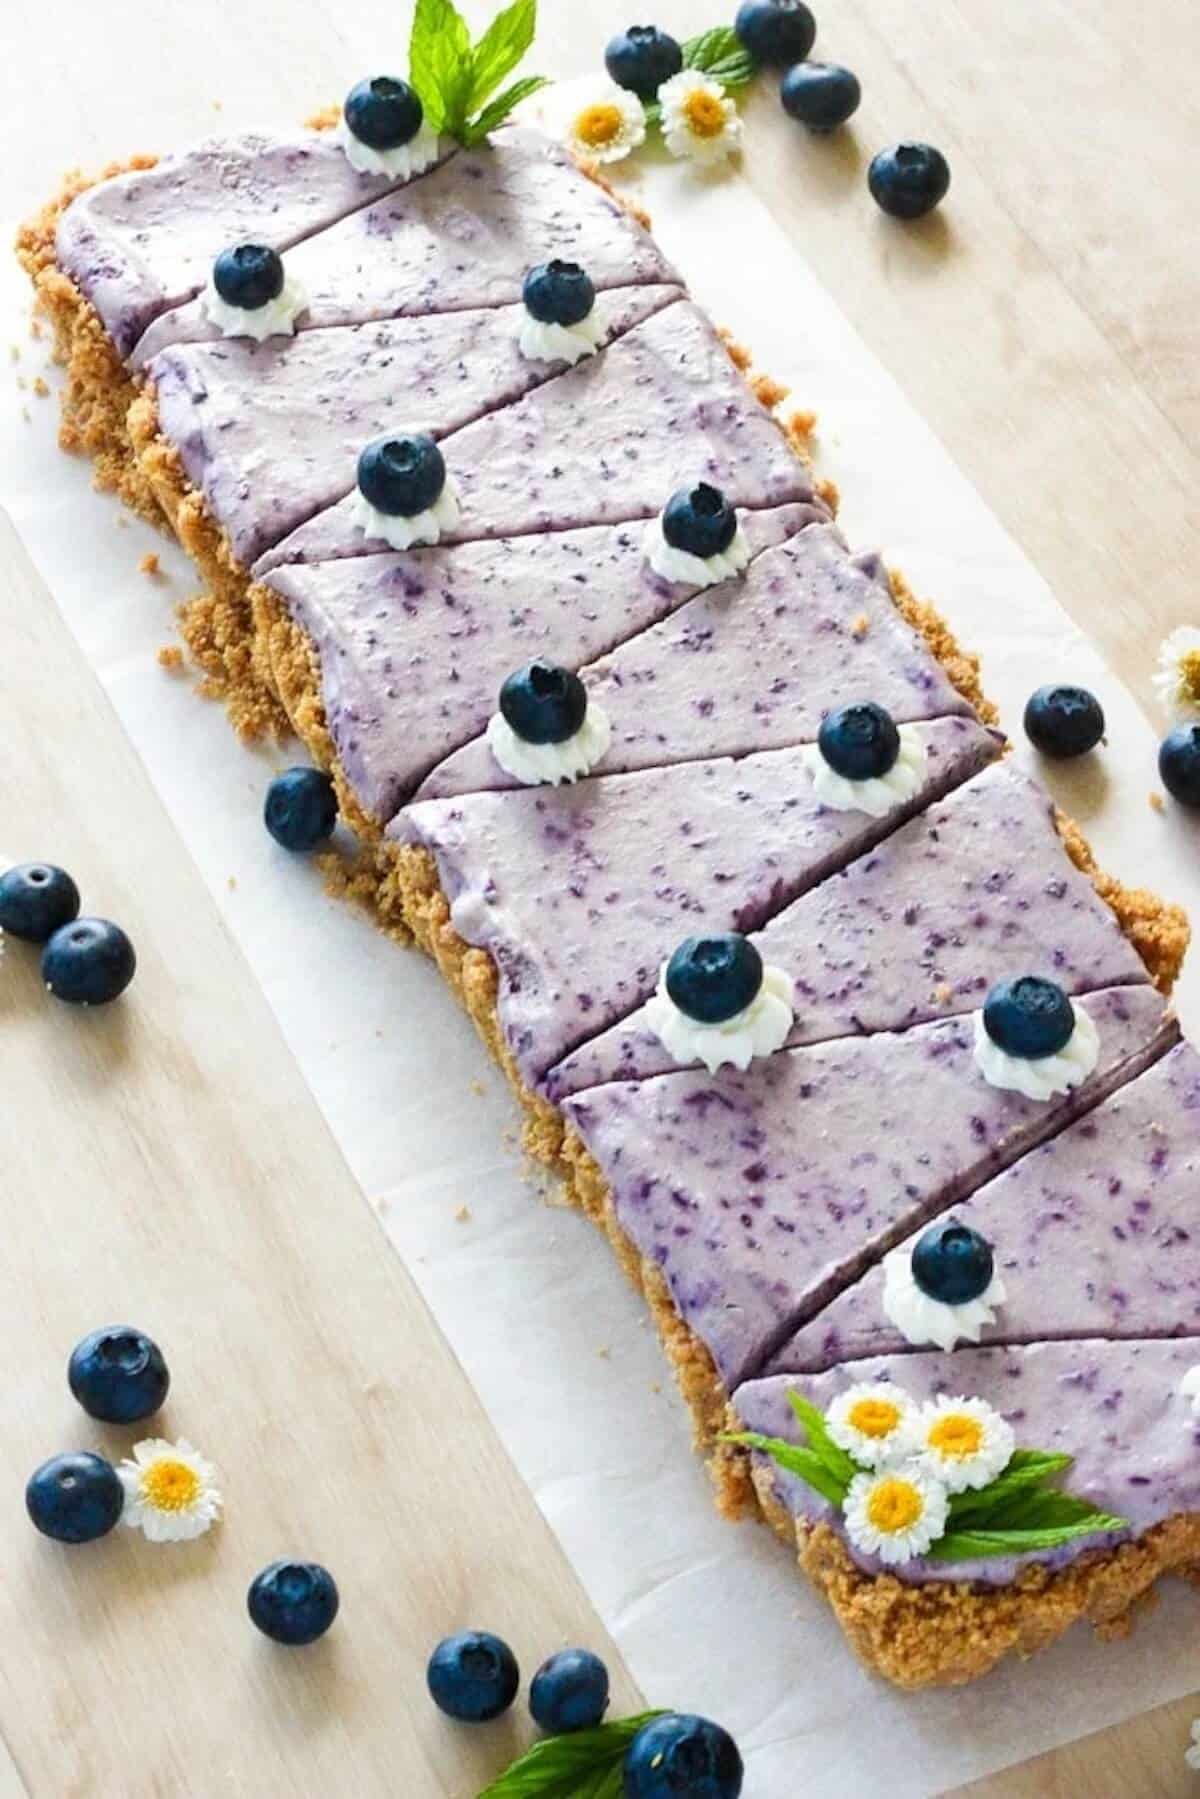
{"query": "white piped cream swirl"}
pixel 539 342
pixel 671 564
pixel 759 1029
pixel 1040 1077
pixel 401 162
pixel 546 764
pixel 921 1319
pixel 877 795
pixel 276 319
pixel 403 533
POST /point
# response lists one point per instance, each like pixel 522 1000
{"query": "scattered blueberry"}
pixel 293 1602
pixel 36 899
pixel 569 1692
pixel 1029 1017
pixel 558 293
pixel 249 276
pixel 952 1263
pixel 1064 721
pixel 642 58
pixel 75 1498
pixel 118 1374
pixel 682 1757
pixel 821 95
pixel 909 180
pixel 401 476
pixel 859 742
pixel 1179 764
pixel 711 979
pixel 778 32
pixel 544 703
pixel 88 962
pixel 699 520
pixel 301 808
pixel 383 112
pixel 473 1676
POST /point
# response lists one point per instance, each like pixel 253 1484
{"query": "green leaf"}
pixel 806 1464
pixel 842 1466
pixel 500 49
pixel 719 53
pixel 439 61
pixel 1027 1470
pixel 499 109
pixel 978 1544
pixel 586 1764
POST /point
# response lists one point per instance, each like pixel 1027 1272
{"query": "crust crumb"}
pixel 801 425
pixel 769 392
pixel 170 657
pixel 859 626
pixel 323 120
pixel 828 491
pixel 41 387
pixel 1157 802
pixel 149 565
pixel 594 173
pixel 1158 930
pixel 739 355
pixel 960 665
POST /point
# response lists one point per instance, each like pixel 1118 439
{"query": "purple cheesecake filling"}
pixel 414 647
pixel 762 1195
pixel 1115 1407
pixel 462 236
pixel 976 890
pixel 606 442
pixel 1095 1234
pixel 270 433
pixel 754 664
pixel 579 893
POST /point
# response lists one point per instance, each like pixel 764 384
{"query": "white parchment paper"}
pixel 710 1617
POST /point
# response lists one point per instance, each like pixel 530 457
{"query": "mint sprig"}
pixel 717 53
pixel 587 1764
pixel 457 80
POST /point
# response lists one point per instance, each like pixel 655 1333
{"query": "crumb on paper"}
pixel 1157 803
pixel 22 383
pixel 231 883
pixel 801 423
pixel 859 626
pixel 463 1215
pixel 170 657
pixel 122 521
pixel 41 387
pixel 478 1088
pixel 149 564
pixel 769 392
pixel 605 1354
pixel 14 352
pixel 656 1386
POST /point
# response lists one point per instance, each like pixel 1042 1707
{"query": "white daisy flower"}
pixel 964 1443
pixel 608 125
pixel 874 1422
pixel 1177 681
pixel 895 1513
pixel 1191 1754
pixel 171 1492
pixel 698 118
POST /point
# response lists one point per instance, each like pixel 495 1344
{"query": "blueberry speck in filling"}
pixel 88 962
pixel 699 520
pixel 37 899
pixel 293 1602
pixel 777 32
pixel 558 293
pixel 569 1692
pixel 300 810
pixel 473 1676
pixel 249 276
pixel 1064 721
pixel 1029 1017
pixel 909 180
pixel 642 58
pixel 543 703
pixel 821 95
pixel 383 112
pixel 860 742
pixel 712 979
pixel 118 1374
pixel 682 1757
pixel 952 1263
pixel 75 1498
pixel 401 476
pixel 1179 764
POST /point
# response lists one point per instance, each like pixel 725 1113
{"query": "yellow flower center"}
pixel 1189 675
pixel 170 1486
pixel 956 1436
pixel 600 125
pixel 894 1505
pixel 874 1417
pixel 705 114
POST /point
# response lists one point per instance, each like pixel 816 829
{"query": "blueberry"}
pixel 1029 1017
pixel 544 703
pixel 822 95
pixel 118 1374
pixel 75 1498
pixel 36 899
pixel 401 475
pixel 859 742
pixel 682 1757
pixel 383 112
pixel 301 808
pixel 952 1263
pixel 1179 764
pixel 473 1676
pixel 88 962
pixel 249 276
pixel 777 32
pixel 569 1692
pixel 714 978
pixel 642 58
pixel 558 293
pixel 699 520
pixel 909 180
pixel 1064 721
pixel 293 1602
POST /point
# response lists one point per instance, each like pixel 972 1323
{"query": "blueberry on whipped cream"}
pixel 717 1003
pixel 863 762
pixel 697 538
pixel 559 322
pixel 1030 1038
pixel 250 294
pixel 383 129
pixel 404 495
pixel 547 730
pixel 943 1290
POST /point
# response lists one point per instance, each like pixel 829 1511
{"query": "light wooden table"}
pixel 1045 325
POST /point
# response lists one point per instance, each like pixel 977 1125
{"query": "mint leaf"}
pixel 500 49
pixel 805 1464
pixel 979 1544
pixel 439 63
pixel 719 53
pixel 1027 1470
pixel 842 1466
pixel 587 1764
pixel 499 109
